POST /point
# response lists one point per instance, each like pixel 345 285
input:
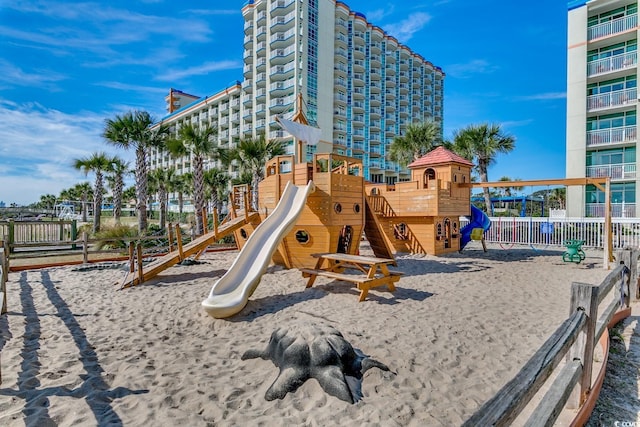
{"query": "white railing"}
pixel 612 99
pixel 612 63
pixel 553 232
pixel 614 171
pixel 612 136
pixel 612 27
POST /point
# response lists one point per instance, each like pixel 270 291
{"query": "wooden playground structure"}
pixel 423 215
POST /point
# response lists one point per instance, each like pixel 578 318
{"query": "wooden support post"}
pixel 170 236
pixel 74 232
pixel 3 281
pixel 132 257
pixel 204 221
pixel 11 235
pixel 583 297
pixel 215 221
pixel 139 256
pixel 179 242
pixel 85 248
pixel 246 205
pixel 6 267
pixel 232 205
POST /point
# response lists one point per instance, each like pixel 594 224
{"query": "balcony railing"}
pixel 618 210
pixel 614 26
pixel 612 136
pixel 612 99
pixel 612 63
pixel 614 171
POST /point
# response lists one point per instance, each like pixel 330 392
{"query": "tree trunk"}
pixel 97 203
pixel 117 200
pixel 198 193
pixel 141 188
pixel 162 196
pixel 482 171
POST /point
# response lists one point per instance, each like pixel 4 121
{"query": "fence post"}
pixel 6 267
pixel 139 255
pixel 170 236
pixel 132 257
pixel 74 233
pixel 85 248
pixel 583 297
pixel 205 219
pixel 179 243
pixel 3 280
pixel 215 221
pixel 11 235
pixel 61 230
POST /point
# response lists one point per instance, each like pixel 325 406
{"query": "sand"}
pixel 76 351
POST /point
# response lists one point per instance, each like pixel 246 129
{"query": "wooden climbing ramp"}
pixel 192 248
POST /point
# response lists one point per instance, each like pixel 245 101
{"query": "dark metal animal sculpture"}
pixel 315 351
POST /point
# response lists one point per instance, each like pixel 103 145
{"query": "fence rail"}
pixel 550 232
pixel 574 340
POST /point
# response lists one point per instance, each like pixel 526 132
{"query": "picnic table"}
pixel 367 272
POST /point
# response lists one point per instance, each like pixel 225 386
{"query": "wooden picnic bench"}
pixel 370 272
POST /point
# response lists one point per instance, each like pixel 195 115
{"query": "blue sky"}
pixel 66 66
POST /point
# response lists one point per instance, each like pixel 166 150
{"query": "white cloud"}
pixel 466 70
pixel 38 145
pixel 377 15
pixel 15 76
pixel 546 96
pixel 206 68
pixel 405 29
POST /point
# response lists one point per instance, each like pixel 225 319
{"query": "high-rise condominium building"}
pixel 602 103
pixel 358 84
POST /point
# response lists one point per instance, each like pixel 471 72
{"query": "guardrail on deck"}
pixel 575 339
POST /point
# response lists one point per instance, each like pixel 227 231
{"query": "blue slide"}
pixel 478 220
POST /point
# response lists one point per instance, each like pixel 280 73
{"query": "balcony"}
pixel 282 56
pixel 612 27
pixel 618 98
pixel 613 63
pixel 614 171
pixel 617 135
pixel 281 4
pixel 618 210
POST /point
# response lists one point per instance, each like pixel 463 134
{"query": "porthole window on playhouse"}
pixel 356 207
pixel 337 208
pixel 374 191
pixel 302 237
pixel 243 233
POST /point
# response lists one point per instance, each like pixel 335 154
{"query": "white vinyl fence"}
pixel 548 232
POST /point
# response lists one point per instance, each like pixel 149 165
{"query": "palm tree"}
pixel 47 201
pixel 199 141
pixel 161 179
pixel 98 163
pixel 182 184
pixel 252 155
pixel 115 178
pixel 217 182
pixel 133 130
pixel 481 144
pixel 417 140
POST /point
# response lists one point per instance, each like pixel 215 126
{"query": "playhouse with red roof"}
pixel 423 215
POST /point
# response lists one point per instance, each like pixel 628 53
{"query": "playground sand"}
pixel 78 351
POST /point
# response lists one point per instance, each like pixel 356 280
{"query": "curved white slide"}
pixel 231 292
